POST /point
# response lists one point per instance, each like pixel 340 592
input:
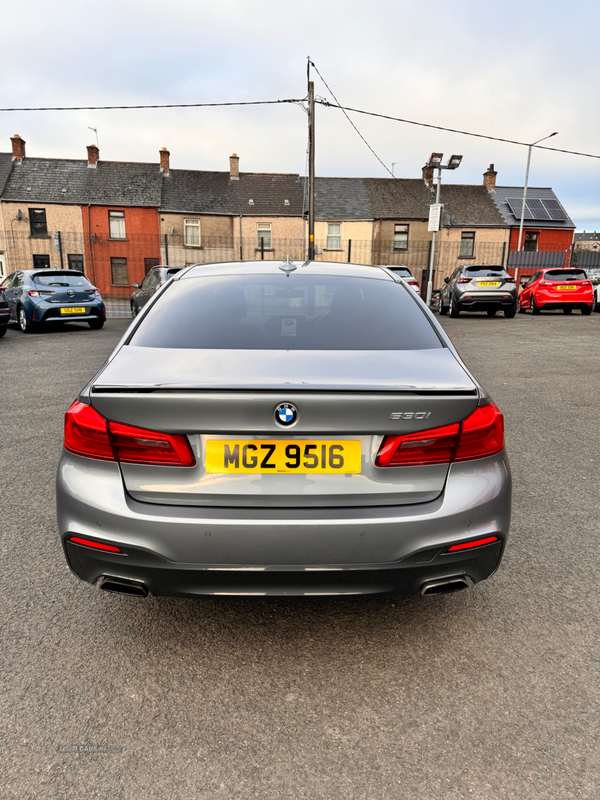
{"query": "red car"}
pixel 549 289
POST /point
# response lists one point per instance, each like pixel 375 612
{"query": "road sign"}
pixel 57 241
pixel 435 216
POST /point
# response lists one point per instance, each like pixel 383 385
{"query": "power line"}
pixel 326 103
pixel 452 130
pixel 169 105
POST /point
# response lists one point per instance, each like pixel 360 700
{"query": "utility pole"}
pixel 311 169
pixel 531 146
pixel 432 251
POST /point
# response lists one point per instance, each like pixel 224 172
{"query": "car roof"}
pixel 272 266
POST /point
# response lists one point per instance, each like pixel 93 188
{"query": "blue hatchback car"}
pixel 38 296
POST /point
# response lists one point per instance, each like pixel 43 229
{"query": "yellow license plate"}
pixel 72 311
pixel 567 288
pixel 282 456
pixel 489 283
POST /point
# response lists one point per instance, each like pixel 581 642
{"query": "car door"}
pixel 147 288
pixel 525 295
pixel 13 291
pixel 447 289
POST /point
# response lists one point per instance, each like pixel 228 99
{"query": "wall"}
pixel 287 238
pixel 141 242
pixel 216 239
pixel 558 240
pixel 383 242
pixel 358 232
pixel 19 246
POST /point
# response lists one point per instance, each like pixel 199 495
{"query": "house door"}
pixel 41 262
pixel 149 263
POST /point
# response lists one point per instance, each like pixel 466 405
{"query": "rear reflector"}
pixel 96 545
pixel 88 433
pixel 480 434
pixel 474 543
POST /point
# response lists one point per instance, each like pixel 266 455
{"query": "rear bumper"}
pixel 476 302
pixel 54 315
pixel 189 552
pixel 544 299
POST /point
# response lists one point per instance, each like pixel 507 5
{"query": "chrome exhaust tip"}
pixel 445 586
pixel 123 586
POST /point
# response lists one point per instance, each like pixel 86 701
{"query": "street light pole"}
pixel 432 256
pixel 531 146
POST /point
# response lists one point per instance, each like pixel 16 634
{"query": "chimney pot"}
pixel 18 148
pixel 164 160
pixel 234 168
pixel 93 156
pixel 489 179
pixel 428 175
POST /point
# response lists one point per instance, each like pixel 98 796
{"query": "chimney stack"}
pixel 428 175
pixel 234 168
pixel 18 148
pixel 93 156
pixel 164 160
pixel 489 179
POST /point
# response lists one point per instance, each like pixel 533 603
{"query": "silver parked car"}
pixel 270 428
pixel 479 288
pixel 155 278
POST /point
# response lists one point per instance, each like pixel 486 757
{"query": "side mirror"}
pixel 135 286
pixel 446 280
pixel 524 284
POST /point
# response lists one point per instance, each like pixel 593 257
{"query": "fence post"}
pixel 262 248
pixel 60 250
pixel 503 254
pixel 166 250
pixel 349 249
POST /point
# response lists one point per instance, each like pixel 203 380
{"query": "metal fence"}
pixel 113 265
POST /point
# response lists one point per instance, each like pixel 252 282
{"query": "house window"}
pixel 75 262
pixel 531 241
pixel 37 223
pixel 41 262
pixel 149 263
pixel 334 235
pixel 116 224
pixel 191 232
pixel 400 237
pixel 264 234
pixel 119 275
pixel 467 244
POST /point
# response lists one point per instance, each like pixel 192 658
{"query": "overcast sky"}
pixel 517 69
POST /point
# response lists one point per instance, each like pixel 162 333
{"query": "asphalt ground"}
pixel 489 693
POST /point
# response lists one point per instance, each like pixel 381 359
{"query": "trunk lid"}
pixel 340 396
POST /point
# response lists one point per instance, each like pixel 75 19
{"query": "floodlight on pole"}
pixel 454 162
pixel 531 146
pixel 435 160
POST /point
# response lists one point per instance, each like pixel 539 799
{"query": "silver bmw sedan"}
pixel 268 428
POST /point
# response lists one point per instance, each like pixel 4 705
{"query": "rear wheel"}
pixel 491 312
pixel 24 323
pixel 586 310
pixel 96 324
pixel 510 312
pixel 3 330
pixel 453 308
pixel 520 308
pixel 567 310
pixel 534 308
pixel 443 308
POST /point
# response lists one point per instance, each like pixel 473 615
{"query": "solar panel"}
pixel 516 203
pixel 555 210
pixel 536 209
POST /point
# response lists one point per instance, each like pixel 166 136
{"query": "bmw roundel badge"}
pixel 286 414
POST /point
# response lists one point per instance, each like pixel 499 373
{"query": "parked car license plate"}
pixel 72 310
pixel 282 456
pixel 489 283
pixel 567 288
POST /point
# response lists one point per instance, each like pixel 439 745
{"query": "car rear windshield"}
pixel 484 272
pixel 61 279
pixel 403 272
pixel 566 275
pixel 277 312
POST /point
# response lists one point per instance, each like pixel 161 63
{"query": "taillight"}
pixel 545 283
pixel 40 292
pixel 509 280
pixel 140 446
pixel 465 280
pixel 435 446
pixel 480 434
pixel 586 283
pixel 88 433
